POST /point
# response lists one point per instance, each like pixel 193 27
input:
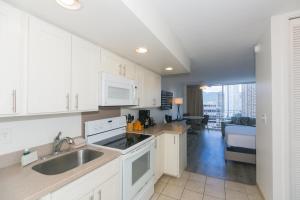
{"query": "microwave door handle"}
pixel 134 93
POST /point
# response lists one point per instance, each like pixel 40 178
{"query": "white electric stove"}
pixel 137 154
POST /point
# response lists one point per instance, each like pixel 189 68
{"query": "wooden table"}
pixel 193 117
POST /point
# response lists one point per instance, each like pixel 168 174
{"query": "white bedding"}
pixel 241 136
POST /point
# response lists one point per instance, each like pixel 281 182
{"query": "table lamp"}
pixel 178 101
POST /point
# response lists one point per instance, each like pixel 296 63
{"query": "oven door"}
pixel 138 169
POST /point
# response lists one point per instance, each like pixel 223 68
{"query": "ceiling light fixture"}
pixel 69 4
pixel 169 68
pixel 141 50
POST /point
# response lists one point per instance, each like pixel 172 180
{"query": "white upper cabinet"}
pixel 113 64
pixel 85 63
pixel 140 72
pixel 129 70
pixel 148 88
pixel 49 68
pixel 12 61
pixel 152 89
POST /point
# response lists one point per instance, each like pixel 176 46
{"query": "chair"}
pixel 205 121
pixel 188 121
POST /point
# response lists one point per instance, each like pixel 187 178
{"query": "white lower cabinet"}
pixel 103 183
pixel 159 157
pixel 108 190
pixel 89 196
pixel 175 153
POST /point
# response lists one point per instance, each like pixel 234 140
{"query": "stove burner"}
pixel 123 141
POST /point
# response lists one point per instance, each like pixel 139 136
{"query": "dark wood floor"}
pixel 206 156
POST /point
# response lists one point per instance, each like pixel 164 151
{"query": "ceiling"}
pixel 219 36
pixel 215 37
pixel 110 24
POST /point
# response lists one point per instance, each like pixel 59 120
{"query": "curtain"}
pixel 194 100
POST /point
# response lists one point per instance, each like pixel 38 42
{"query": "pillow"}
pixel 244 121
pixel 252 122
pixel 235 120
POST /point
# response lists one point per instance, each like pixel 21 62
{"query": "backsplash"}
pixel 18 133
pixel 157 114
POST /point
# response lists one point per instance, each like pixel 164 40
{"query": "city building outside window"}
pixel 225 101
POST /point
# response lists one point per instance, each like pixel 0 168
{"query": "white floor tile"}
pixel 173 191
pixel 195 186
pixel 190 195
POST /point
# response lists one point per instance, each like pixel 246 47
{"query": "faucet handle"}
pixel 58 136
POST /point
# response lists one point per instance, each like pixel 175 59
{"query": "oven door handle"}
pixel 142 148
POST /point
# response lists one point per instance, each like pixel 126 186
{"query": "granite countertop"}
pixel 23 183
pixel 177 127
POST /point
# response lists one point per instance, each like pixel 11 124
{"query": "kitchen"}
pixel 62 127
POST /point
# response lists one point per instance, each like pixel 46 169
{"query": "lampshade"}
pixel 177 101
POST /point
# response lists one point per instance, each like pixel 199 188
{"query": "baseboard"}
pixel 259 190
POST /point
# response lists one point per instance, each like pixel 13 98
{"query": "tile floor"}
pixel 192 186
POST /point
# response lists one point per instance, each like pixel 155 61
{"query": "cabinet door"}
pixel 49 69
pixel 158 157
pixel 140 85
pixel 12 62
pixel 183 152
pixel 89 196
pixel 171 154
pixel 152 84
pixel 148 99
pixel 129 70
pixel 85 62
pixel 157 90
pixel 111 63
pixel 110 190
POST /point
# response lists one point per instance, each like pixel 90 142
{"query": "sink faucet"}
pixel 58 143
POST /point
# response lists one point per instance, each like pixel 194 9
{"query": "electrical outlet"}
pixel 5 136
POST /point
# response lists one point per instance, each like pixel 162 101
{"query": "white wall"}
pixel 179 90
pixel 264 107
pixel 273 138
pixel 145 11
pixel 27 132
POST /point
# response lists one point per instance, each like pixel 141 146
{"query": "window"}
pixel 225 101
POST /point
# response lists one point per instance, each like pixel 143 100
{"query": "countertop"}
pixel 177 127
pixel 23 183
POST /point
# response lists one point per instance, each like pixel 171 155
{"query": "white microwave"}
pixel 117 91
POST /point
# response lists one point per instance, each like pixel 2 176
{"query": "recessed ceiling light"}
pixel 141 50
pixel 69 4
pixel 169 68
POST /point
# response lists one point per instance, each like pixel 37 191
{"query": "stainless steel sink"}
pixel 67 162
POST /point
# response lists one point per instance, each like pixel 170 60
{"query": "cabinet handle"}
pixel 174 139
pixel 68 101
pixel 77 101
pixel 155 144
pixel 120 69
pixel 124 70
pixel 14 100
pixel 100 195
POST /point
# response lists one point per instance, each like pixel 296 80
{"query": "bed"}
pixel 240 143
